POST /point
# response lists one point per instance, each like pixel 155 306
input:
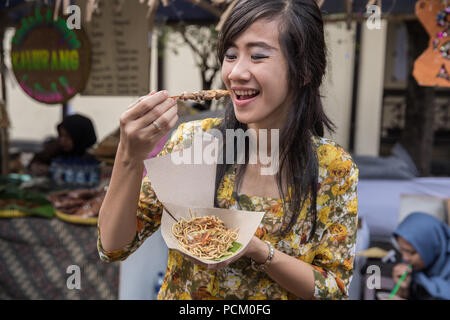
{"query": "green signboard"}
pixel 50 61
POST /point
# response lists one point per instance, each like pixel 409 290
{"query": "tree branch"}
pixel 190 43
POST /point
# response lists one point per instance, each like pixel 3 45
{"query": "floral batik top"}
pixel 331 250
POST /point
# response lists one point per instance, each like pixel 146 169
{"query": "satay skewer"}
pixel 202 95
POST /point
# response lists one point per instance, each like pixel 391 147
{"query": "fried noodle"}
pixel 205 237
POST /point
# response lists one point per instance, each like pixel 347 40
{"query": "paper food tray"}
pixel 246 221
pixel 183 186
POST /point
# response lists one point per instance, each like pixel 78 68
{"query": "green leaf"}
pixel 236 246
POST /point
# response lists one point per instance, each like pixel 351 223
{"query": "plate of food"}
pixel 79 206
pixel 208 235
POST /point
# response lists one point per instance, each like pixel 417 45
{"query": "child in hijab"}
pixel 76 134
pixel 424 242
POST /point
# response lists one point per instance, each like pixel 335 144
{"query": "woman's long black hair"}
pixel 303 45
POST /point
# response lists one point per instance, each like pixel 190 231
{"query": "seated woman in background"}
pixel 76 134
pixel 424 242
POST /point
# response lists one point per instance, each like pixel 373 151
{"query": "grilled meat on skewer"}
pixel 202 95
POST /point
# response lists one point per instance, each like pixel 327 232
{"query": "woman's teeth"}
pixel 246 94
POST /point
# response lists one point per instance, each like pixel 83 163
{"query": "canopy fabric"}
pixel 188 12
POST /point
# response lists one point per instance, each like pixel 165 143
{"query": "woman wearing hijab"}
pixel 76 134
pixel 424 243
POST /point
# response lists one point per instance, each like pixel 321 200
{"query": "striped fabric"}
pixel 35 254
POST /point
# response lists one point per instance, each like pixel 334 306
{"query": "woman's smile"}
pixel 242 97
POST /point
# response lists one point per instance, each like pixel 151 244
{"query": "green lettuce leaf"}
pixel 235 248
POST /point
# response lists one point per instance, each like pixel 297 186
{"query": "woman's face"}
pixel 410 255
pixel 65 140
pixel 254 70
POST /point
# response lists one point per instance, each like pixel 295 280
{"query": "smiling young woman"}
pixel 273 61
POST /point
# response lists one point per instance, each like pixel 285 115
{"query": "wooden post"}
pixel 65 110
pixel 4 137
pixel 151 28
pixel 418 134
pixel 369 97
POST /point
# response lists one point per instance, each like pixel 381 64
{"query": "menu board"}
pixel 120 48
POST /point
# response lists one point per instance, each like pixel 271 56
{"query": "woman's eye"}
pixel 254 57
pixel 258 57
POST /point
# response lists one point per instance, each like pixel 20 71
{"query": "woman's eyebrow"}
pixel 259 44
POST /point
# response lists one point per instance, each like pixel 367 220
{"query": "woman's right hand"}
pixel 138 134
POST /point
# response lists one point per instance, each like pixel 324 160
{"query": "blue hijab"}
pixel 431 239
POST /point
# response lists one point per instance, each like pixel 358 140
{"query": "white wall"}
pixel 180 72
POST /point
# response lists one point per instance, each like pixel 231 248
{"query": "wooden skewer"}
pixel 165 208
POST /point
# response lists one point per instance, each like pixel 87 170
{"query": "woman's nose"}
pixel 239 71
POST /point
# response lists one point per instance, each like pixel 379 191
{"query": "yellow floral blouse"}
pixel 331 250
